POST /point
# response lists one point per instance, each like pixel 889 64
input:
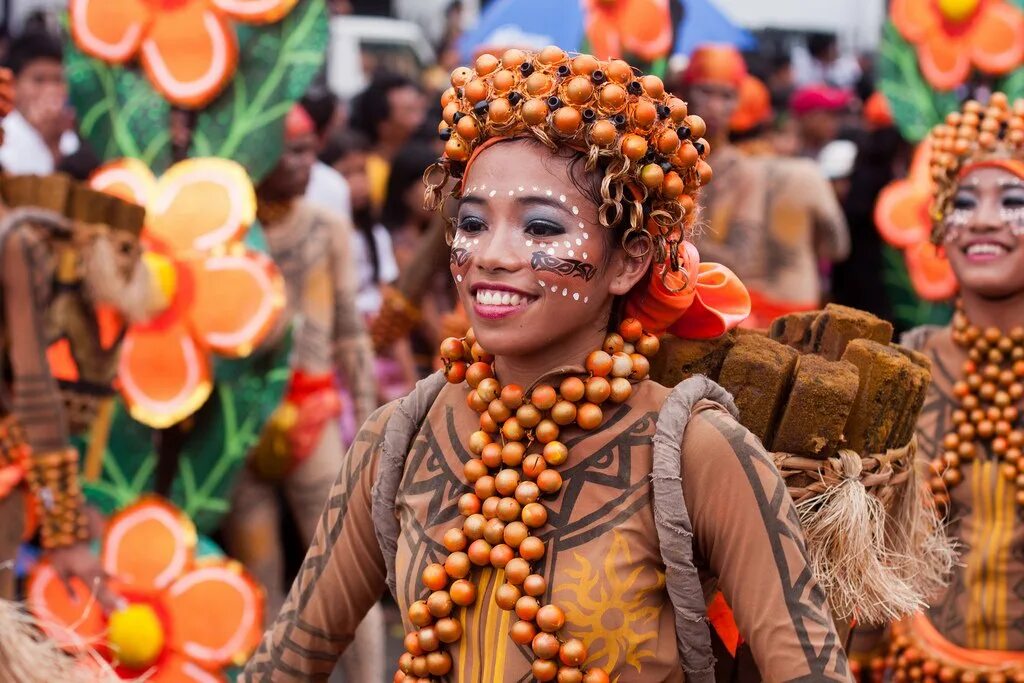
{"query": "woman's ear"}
pixel 627 270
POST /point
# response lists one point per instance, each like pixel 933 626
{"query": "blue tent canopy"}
pixel 536 23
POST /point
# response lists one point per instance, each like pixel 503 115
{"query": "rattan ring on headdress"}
pixel 650 150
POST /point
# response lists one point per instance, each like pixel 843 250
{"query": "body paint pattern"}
pixel 542 261
pixel 460 256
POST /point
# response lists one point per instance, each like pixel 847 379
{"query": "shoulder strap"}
pixel 401 429
pixel 675 534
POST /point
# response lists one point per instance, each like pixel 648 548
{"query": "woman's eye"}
pixel 543 229
pixel 471 225
pixel 1013 201
pixel 963 202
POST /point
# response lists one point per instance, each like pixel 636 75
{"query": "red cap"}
pixel 819 98
pixel 712 63
pixel 298 122
pixel 753 108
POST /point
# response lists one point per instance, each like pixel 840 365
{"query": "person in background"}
pixel 389 112
pixel 300 451
pixel 448 46
pixel 38 133
pixel 822 62
pixel 327 187
pixel 836 163
pixel 375 262
pixel 818 111
pixel 803 228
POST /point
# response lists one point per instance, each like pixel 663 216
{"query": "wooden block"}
pixel 916 357
pixel 52 192
pixel 794 329
pixel 757 372
pixel 680 359
pixel 838 325
pixel 885 380
pixel 910 410
pixel 819 404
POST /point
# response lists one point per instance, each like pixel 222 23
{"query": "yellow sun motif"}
pixel 609 612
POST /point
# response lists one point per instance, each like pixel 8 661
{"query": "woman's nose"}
pixel 500 250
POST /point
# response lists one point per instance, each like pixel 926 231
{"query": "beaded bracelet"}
pixel 53 479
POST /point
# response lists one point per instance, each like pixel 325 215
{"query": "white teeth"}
pixel 986 249
pixel 493 297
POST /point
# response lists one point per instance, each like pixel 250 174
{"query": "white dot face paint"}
pixel 575 296
pixel 548 193
pixel 492 193
pixel 561 198
pixel 576 211
pixel 571 253
pixel 458 278
pixel 564 292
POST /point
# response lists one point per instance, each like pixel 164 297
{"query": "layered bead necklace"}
pixel 989 395
pixel 517 452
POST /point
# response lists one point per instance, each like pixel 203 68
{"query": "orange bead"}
pixel 705 147
pixel 526 607
pixel 549 481
pixel 439 663
pixel 572 389
pixel 641 366
pixel 612 98
pixel 668 142
pixel 474 469
pixel 509 509
pixel 454 540
pixel 678 110
pixel 474 526
pixel 419 665
pixel 535 585
pixel 535 111
pixel 412 643
pixel 491 455
pixel 596 676
pixel 555 453
pixel 598 389
pixel 648 345
pixel 498 410
pixel 419 614
pixel 476 90
pixel 573 652
pixel 527 492
pixel 523 632
pixel 501 555
pixel 512 58
pixel 486 63
pixel 539 84
pixel 434 576
pixel 621 390
pixel 704 172
pixel 550 618
pixel 545 645
pixel 543 397
pixel 686 156
pixel 494 531
pixel 569 674
pixel 448 630
pixel 531 549
pixel 499 111
pixel 696 125
pixel 533 465
pixel 631 330
pixel 603 133
pixel 461 76
pixel 564 412
pixel 428 639
pixel 449 112
pixel 490 507
pixel 452 349
pixel 534 515
pixel 468 504
pixel 619 71
pixel 484 487
pixel 506 482
pixel 487 423
pixel 585 65
pixel 457 565
pixel 476 373
pixel 589 415
pixel 512 430
pixel 544 670
pixel 455 149
pixel 473 400
pixel 506 596
pixel 477 440
pixel 447 97
pixel 515 533
pixel 528 416
pixel 440 604
pixel 672 186
pixel 405 661
pixel 644 114
pixel 512 453
pixel 579 90
pixel 552 54
pixel 480 552
pixel 566 120
pixel 633 147
pixel 652 176
pixel 517 571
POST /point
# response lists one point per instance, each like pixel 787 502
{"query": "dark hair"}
pixel 32 46
pixel 373 105
pixel 406 170
pixel 343 143
pixel 320 103
pixel 819 44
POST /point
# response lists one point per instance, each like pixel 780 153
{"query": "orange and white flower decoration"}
pixel 951 35
pixel 903 218
pixel 639 27
pixel 182 618
pixel 187 48
pixel 223 296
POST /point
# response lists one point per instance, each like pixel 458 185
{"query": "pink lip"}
pixel 985 258
pixel 497 312
pixel 499 287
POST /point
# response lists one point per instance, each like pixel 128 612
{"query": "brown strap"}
pixel 675 533
pixel 401 430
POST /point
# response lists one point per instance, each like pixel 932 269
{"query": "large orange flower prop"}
pixel 187 47
pixel 224 297
pixel 950 35
pixel 183 618
pixel 903 217
pixel 639 27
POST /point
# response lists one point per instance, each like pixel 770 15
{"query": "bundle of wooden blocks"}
pixel 815 383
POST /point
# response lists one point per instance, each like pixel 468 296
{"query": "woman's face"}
pixel 984 238
pixel 533 266
pixel 353 167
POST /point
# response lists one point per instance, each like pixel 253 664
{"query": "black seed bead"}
pixel 634 88
pixel 589 114
pixel 598 76
pixel 666 166
pixel 514 98
pixel 445 134
pixel 563 71
pixel 526 68
pixel 619 120
pixel 459 93
pixel 481 108
pixel 664 111
pixel 456 116
pixel 683 132
pixel 554 103
pixel 699 146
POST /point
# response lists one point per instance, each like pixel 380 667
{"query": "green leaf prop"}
pixel 1013 83
pixel 277 62
pixel 246 391
pixel 908 309
pixel 916 106
pixel 119 113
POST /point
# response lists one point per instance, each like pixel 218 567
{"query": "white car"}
pixel 362 45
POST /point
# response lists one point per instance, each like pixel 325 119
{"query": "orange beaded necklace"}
pixel 989 395
pixel 516 449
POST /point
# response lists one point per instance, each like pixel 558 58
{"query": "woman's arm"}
pixel 746 528
pixel 341 578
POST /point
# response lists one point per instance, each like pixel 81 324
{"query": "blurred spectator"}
pixel 38 133
pixel 327 187
pixel 818 111
pixel 836 163
pixel 388 112
pixel 821 62
pixel 448 47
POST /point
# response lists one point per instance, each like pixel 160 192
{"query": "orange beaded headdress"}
pixel 978 134
pixel 649 149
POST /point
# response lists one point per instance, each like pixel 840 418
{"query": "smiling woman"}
pixel 549 511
